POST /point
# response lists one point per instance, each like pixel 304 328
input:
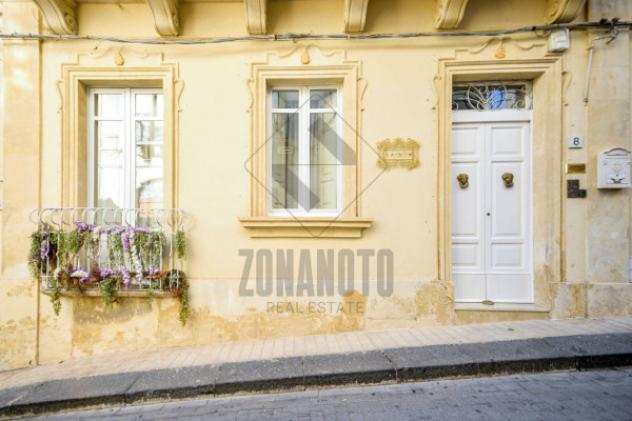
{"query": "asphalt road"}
pixel 588 395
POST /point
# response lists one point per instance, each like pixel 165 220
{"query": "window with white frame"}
pixel 125 138
pixel 305 147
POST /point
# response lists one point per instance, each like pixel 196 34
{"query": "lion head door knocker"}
pixel 464 180
pixel 508 179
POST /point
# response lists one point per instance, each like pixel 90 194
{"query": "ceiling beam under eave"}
pixel 563 11
pixel 355 15
pixel 449 13
pixel 60 15
pixel 256 16
pixel 165 17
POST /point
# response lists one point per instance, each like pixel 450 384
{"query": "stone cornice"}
pixel 563 11
pixel 60 15
pixel 165 16
pixel 355 15
pixel 255 16
pixel 449 13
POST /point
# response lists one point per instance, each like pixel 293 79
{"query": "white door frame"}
pixel 502 116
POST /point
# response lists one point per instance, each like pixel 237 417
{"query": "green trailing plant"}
pixel 109 288
pixel 58 283
pixel 150 246
pixel 55 297
pixel 180 287
pixel 181 244
pixel 130 253
pixel 115 249
pixel 74 241
pixel 35 254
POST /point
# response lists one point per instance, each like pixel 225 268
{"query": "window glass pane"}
pixel 109 144
pixel 324 153
pixel 284 161
pixel 149 131
pixel 486 96
pixel 149 187
pixel 322 98
pixel 285 99
pixel 109 135
pixel 110 187
pixel 148 105
pixel 108 105
pixel 148 155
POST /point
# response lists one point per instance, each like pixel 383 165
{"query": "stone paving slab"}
pixel 336 359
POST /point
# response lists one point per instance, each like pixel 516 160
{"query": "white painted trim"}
pixel 472 116
pixel 128 119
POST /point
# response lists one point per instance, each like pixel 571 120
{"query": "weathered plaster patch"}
pixel 569 300
pixel 483 316
pixel 434 299
pixel 17 343
pixel 130 324
pixel 607 300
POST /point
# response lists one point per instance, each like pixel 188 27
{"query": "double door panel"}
pixel 491 211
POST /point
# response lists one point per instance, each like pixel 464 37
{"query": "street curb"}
pixel 394 364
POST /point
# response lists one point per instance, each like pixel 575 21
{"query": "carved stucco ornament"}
pixel 355 15
pixel 256 16
pixel 165 16
pixel 398 152
pixel 563 11
pixel 449 13
pixel 60 15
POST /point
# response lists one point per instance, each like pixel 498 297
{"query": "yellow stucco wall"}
pixel 400 98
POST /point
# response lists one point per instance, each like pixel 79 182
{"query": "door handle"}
pixel 508 179
pixel 464 180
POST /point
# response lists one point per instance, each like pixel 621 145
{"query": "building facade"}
pixel 322 184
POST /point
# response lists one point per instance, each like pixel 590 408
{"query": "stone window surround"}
pixel 259 224
pixel 76 80
pixel 546 75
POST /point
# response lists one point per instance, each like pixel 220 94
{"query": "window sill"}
pixel 270 227
pixel 93 293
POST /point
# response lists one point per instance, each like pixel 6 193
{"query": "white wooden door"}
pixel 491 215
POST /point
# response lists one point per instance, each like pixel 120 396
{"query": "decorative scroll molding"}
pixel 256 16
pixel 355 15
pixel 165 16
pixel 563 11
pixel 449 13
pixel 60 15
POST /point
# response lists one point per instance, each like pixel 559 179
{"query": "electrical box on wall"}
pixel 559 40
pixel 613 169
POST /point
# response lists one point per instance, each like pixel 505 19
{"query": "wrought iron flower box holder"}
pixel 76 250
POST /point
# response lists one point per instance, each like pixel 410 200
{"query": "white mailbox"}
pixel 613 169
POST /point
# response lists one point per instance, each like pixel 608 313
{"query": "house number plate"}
pixel 398 152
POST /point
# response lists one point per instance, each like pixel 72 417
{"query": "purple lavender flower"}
pixel 45 248
pixel 83 227
pixel 126 277
pixel 106 272
pixel 125 238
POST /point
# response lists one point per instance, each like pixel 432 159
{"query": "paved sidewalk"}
pixel 403 354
